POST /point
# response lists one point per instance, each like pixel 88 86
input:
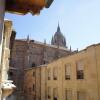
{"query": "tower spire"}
pixel 70 48
pixel 58 38
pixel 58 28
pixel 28 39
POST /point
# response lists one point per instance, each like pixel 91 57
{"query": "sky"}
pixel 79 22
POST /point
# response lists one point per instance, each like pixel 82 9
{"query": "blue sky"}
pixel 79 21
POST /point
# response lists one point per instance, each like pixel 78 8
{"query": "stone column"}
pixel 5 51
pixel 2 12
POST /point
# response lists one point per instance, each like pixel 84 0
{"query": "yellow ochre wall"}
pixel 90 85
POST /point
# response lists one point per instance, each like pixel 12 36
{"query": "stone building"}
pixel 32 90
pixel 27 53
pixel 74 77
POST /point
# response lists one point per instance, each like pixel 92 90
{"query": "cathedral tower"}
pixel 58 39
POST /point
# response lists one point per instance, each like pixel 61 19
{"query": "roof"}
pixel 40 43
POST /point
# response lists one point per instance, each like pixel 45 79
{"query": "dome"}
pixel 58 38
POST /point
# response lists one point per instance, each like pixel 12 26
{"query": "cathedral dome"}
pixel 58 38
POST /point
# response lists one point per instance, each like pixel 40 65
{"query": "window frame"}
pixel 49 74
pixel 80 70
pixel 55 73
pixel 66 94
pixel 49 93
pixel 55 93
pixel 66 74
pixel 34 73
pixel 81 92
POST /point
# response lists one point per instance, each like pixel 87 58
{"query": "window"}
pixel 44 62
pixel 49 92
pixel 33 73
pixel 33 87
pixel 49 74
pixel 55 94
pixel 80 70
pixel 81 95
pixel 67 72
pixel 55 73
pixel 33 65
pixel 68 94
pixel 10 75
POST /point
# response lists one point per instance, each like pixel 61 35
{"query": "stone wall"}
pixel 32 84
pixel 28 53
pixel 81 81
pixel 85 88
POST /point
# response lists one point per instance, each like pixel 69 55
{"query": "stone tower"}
pixel 58 39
